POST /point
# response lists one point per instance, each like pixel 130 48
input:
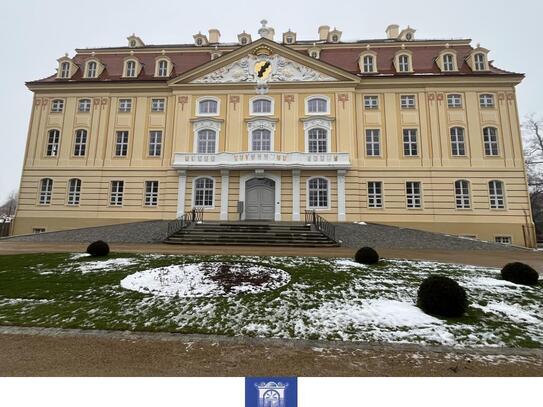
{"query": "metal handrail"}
pixel 188 218
pixel 320 224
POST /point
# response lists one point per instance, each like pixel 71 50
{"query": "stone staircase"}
pixel 251 234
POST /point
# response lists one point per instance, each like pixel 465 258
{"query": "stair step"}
pixel 235 243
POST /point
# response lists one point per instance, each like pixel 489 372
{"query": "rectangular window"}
pixel 84 105
pixel 407 102
pixel 503 239
pixel 74 191
pixel 410 147
pixel 151 193
pixel 80 145
pixel 57 106
pixel 125 105
pixel 375 194
pixel 496 195
pixel 461 190
pixel 155 143
pixel 53 140
pixel 121 144
pixel 454 101
pixel 490 139
pixel 116 195
pixel 46 191
pixel 373 142
pixel 486 101
pixel 36 231
pixel 158 105
pixel 371 102
pixel 413 194
pixel 458 147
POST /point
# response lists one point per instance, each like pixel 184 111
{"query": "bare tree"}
pixel 10 205
pixel 533 153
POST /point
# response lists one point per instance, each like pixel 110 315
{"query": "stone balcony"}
pixel 262 160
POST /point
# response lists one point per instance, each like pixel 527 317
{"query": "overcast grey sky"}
pixel 35 33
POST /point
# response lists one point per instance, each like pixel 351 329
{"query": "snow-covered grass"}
pixel 308 298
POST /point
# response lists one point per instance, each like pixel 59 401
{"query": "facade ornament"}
pixel 289 99
pixel 431 96
pixel 343 97
pixel 206 124
pixel 183 100
pixel 234 100
pixel 261 124
pixel 440 97
pixel 323 122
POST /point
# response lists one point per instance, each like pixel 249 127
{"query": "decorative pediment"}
pixel 275 68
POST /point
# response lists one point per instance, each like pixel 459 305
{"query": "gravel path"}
pixel 57 352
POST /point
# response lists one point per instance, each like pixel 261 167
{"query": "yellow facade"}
pixel 433 166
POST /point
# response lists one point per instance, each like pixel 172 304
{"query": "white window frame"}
pixel 150 196
pixel 65 72
pixel 487 101
pixel 491 144
pixel 155 147
pixel 257 98
pixel 413 199
pixel 408 102
pixel 402 64
pixel 125 105
pixel 121 146
pixel 449 66
pixel 91 73
pixel 116 196
pixel 452 100
pixel 410 132
pixel 328 194
pixel 73 197
pixel 80 143
pixel 496 201
pixel 57 106
pixel 45 192
pixel 457 137
pixel 503 239
pixel 158 69
pixel 462 194
pixel 370 142
pixel 252 140
pixel 52 148
pixel 86 104
pixel 371 106
pixel 204 99
pixel 130 71
pixel 375 198
pixel 194 181
pixel 158 105
pixel 327 139
pixel 479 65
pixel 313 97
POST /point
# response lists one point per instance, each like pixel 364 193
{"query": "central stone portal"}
pixel 260 199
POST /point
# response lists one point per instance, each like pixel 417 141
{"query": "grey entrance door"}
pixel 260 199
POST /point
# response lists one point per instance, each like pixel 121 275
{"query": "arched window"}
pixel 46 191
pixel 92 68
pixel 461 189
pixel 261 140
pixel 207 141
pixel 479 60
pixel 53 141
pixel 162 68
pixel 496 194
pixel 208 107
pixel 448 62
pixel 318 193
pixel 317 140
pixel 65 70
pixel 369 64
pixel 490 140
pixel 404 63
pixel 203 192
pixel 317 105
pixel 74 191
pixel 458 146
pixel 80 144
pixel 261 106
pixel 130 69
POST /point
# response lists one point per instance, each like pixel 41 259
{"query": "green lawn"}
pixel 325 299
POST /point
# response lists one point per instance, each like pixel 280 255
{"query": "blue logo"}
pixel 271 392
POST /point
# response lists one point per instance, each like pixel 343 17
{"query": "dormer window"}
pixel 244 41
pixel 403 63
pixel 479 60
pixel 208 107
pixel 92 68
pixel 162 67
pixel 335 38
pixel 314 52
pixel 448 62
pixel 65 70
pixel 199 41
pixel 130 69
pixel 367 62
pixel 289 40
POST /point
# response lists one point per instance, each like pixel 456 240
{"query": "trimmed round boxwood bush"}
pixel 98 249
pixel 366 255
pixel 520 273
pixel 442 296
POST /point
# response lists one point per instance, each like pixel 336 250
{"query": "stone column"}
pixel 341 211
pixel 181 189
pixel 296 195
pixel 225 179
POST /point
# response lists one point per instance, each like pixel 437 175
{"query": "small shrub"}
pixel 98 249
pixel 366 255
pixel 442 296
pixel 520 273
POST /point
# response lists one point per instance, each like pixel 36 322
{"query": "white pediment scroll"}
pixel 283 70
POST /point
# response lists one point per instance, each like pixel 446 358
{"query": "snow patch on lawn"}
pixel 348 263
pixel 94 266
pixel 76 256
pixel 197 280
pixel 514 312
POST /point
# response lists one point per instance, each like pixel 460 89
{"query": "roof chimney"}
pixel 323 32
pixel 214 36
pixel 393 31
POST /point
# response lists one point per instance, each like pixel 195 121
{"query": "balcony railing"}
pixel 264 160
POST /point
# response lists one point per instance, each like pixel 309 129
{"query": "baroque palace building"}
pixel 400 131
